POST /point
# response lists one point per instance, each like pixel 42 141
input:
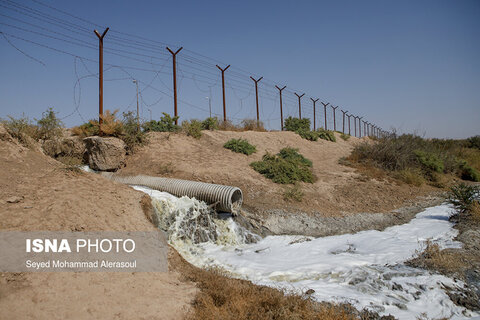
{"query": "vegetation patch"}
pixel 293 193
pixel 132 135
pixel 463 197
pixel 468 173
pixel 474 142
pixel 210 123
pixel 240 146
pixel 411 176
pixel 192 128
pixel 286 167
pixel 413 159
pixel 49 127
pixel 344 136
pixel 429 161
pixel 253 125
pixel 309 135
pixel 326 135
pixel 296 124
pixel 302 128
pixel 222 297
pixel 165 124
pixel 445 261
pixel 228 126
pixel 126 129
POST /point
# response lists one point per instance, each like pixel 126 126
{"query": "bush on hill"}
pixel 286 167
pixel 240 146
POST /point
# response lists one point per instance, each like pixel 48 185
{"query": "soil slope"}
pixel 39 193
pixel 338 190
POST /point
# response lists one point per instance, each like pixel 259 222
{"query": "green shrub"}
pixel 132 136
pixel 240 146
pixel 165 124
pixel 287 167
pixel 192 128
pixel 344 136
pixel 292 155
pixel 474 142
pixel 210 123
pixel 429 161
pixel 309 135
pixel 462 196
pixel 468 173
pixel 296 124
pixel 49 126
pixel 326 135
pixel 293 193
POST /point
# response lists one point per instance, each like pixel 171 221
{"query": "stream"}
pixel 365 269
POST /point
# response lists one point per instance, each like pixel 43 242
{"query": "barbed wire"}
pixel 191 66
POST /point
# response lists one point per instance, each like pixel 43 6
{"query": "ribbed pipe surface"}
pixel 225 198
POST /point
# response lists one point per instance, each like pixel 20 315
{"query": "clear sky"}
pixel 409 65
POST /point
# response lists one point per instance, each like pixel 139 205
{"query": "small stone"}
pixel 14 199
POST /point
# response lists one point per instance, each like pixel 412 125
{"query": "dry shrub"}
pixel 111 126
pixel 192 128
pixel 228 126
pixel 446 261
pixel 294 193
pixel 474 211
pixel 410 176
pixel 253 125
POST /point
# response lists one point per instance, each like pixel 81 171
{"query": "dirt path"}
pixel 46 196
pixel 339 189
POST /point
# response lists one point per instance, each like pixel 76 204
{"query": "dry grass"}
pixel 294 193
pixel 253 125
pixel 474 211
pixel 366 170
pixel 228 126
pixel 445 261
pixel 410 176
pixel 221 297
pixel 111 126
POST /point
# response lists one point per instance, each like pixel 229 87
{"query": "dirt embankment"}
pixel 39 193
pixel 338 193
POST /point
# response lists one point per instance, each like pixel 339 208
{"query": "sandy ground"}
pixel 339 189
pixel 49 197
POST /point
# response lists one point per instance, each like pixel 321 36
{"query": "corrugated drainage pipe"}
pixel 225 198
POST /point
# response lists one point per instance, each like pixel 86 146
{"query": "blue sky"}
pixel 409 65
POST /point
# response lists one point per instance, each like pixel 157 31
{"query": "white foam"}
pixel 365 269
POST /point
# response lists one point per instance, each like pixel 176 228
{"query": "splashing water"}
pixel 365 269
pixel 189 222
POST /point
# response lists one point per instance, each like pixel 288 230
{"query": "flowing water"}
pixel 365 269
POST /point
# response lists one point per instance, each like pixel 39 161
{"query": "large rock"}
pixel 105 154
